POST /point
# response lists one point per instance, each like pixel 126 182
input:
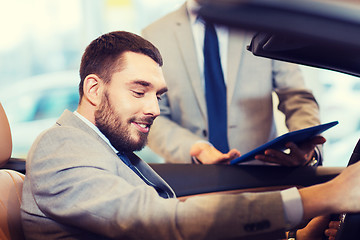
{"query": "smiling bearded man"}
pixel 108 120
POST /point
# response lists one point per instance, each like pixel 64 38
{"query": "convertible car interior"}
pixel 326 35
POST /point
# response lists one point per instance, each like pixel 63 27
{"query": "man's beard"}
pixel 109 123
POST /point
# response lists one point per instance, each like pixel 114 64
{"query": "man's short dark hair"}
pixel 103 55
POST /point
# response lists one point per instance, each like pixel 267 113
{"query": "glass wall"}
pixel 40 50
pixel 42 43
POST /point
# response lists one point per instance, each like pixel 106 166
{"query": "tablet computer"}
pixel 278 143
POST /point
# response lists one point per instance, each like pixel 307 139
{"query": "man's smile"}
pixel 142 127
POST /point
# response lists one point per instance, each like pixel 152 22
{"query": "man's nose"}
pixel 152 107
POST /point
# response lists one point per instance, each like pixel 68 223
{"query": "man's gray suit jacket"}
pixel 250 82
pixel 77 188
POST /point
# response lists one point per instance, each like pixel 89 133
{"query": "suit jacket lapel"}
pixel 236 48
pixel 69 119
pixel 187 49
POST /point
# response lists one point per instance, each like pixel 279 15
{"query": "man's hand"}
pixel 299 155
pixel 314 230
pixel 207 154
pixel 339 195
pixel 332 229
pixel 317 228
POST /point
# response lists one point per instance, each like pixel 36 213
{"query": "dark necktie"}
pixel 215 91
pixel 162 193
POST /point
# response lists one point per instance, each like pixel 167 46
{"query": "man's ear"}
pixel 93 87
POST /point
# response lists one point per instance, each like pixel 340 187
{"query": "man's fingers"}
pixel 207 154
pixel 233 153
pixel 331 232
pixel 334 224
pixel 318 140
pixel 274 157
pixel 227 157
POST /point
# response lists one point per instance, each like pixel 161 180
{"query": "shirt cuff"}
pixel 293 208
pixel 195 160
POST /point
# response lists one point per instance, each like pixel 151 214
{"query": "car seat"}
pixel 11 183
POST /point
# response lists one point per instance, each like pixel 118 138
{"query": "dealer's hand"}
pixel 207 154
pixel 299 155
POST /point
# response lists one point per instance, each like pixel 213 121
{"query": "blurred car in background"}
pixel 339 98
pixel 33 104
pixel 338 101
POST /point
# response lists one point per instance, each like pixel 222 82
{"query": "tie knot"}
pixel 205 22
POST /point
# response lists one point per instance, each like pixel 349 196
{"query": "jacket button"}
pixel 204 133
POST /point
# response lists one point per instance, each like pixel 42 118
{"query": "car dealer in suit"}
pixel 249 81
pixel 83 180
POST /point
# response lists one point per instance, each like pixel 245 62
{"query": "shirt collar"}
pixel 192 7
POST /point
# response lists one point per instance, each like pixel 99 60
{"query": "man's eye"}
pixel 138 94
pixel 159 98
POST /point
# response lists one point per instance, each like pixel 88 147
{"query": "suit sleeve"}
pixel 295 100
